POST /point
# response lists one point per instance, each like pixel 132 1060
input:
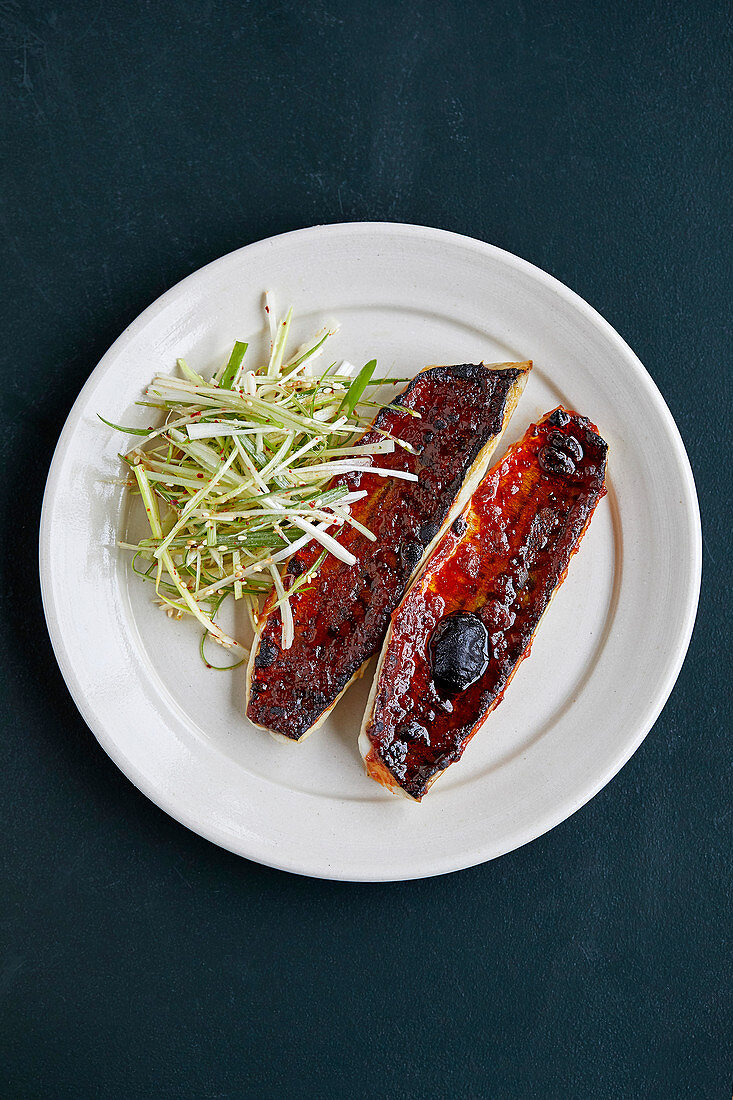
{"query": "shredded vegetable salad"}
pixel 236 478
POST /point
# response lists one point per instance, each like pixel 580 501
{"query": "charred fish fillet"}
pixel 341 617
pixel 466 624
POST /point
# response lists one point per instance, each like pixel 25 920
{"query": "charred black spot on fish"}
pixel 295 567
pixel 559 418
pixel 567 443
pixel 394 756
pixel 594 440
pixel 555 462
pixel 267 653
pixel 427 532
pixel 440 425
pixel 410 554
pixel 459 651
pixel 573 447
pixel 413 731
pixel 459 526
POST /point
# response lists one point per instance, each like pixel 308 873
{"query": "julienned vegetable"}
pixel 235 480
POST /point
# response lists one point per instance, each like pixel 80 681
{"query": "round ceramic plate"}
pixel 605 657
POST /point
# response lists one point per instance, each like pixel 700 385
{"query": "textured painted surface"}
pixel 142 140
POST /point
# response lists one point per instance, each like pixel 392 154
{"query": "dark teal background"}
pixel 141 140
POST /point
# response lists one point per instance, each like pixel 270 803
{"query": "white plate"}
pixel 605 658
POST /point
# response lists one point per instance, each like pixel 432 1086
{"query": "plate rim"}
pixel 674 657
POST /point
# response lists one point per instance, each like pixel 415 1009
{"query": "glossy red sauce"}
pixel 521 528
pixel 341 618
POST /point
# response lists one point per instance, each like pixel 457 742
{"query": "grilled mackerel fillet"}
pixel 341 618
pixel 467 622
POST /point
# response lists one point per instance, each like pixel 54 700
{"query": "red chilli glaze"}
pixel 341 617
pixel 502 561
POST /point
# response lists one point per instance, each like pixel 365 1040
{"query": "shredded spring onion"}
pixel 236 478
